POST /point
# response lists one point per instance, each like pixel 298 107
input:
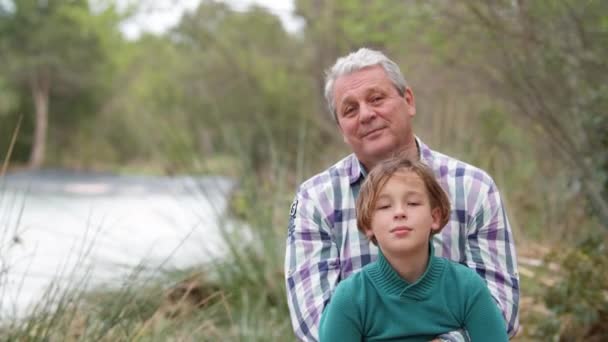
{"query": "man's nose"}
pixel 366 112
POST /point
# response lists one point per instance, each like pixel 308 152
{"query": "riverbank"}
pixel 183 294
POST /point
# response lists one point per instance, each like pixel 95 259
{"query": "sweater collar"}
pixel 389 281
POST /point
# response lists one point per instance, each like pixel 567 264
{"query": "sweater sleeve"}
pixel 341 319
pixel 483 320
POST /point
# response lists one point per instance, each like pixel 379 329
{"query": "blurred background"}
pixel 132 115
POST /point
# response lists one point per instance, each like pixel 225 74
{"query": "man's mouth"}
pixel 368 133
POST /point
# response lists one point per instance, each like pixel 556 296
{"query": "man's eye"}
pixel 348 111
pixel 377 99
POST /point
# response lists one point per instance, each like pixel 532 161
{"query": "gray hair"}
pixel 356 61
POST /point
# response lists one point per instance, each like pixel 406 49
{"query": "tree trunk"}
pixel 40 86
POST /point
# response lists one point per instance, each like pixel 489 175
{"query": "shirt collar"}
pixel 425 154
pixel 356 170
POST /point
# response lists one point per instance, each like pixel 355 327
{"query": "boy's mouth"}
pixel 401 230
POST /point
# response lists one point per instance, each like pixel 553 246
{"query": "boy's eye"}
pixel 383 206
pixel 413 203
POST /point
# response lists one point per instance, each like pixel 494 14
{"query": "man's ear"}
pixel 408 95
pixel 436 215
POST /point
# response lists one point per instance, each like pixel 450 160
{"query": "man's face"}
pixel 374 119
pixel 402 219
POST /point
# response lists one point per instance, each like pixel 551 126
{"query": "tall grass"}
pixel 238 297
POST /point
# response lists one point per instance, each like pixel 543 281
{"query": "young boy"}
pixel 408 294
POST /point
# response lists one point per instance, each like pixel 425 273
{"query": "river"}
pixel 60 225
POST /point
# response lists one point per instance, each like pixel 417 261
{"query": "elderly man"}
pixel 373 108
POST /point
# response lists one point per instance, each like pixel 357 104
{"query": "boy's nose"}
pixel 399 212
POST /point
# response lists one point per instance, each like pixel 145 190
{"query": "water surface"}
pixel 57 225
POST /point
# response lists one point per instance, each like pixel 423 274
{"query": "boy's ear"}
pixel 369 234
pixel 436 215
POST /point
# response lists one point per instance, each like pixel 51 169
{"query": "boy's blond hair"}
pixel 380 174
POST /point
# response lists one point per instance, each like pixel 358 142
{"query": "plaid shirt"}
pixel 324 245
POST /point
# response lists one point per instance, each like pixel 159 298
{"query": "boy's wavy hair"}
pixel 380 174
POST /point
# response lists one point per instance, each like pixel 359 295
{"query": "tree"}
pixel 53 49
pixel 547 61
pixel 334 28
pixel 245 84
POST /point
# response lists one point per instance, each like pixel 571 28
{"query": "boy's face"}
pixel 402 219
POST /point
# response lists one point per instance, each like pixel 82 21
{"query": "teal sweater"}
pixel 376 304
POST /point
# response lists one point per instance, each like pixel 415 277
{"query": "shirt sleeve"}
pixel 341 319
pixel 483 321
pixel 455 336
pixel 311 265
pixel 490 251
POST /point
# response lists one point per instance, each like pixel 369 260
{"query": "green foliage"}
pixel 9 120
pixel 596 123
pixel 8 98
pixel 265 76
pixel 547 62
pixel 64 56
pixel 579 301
